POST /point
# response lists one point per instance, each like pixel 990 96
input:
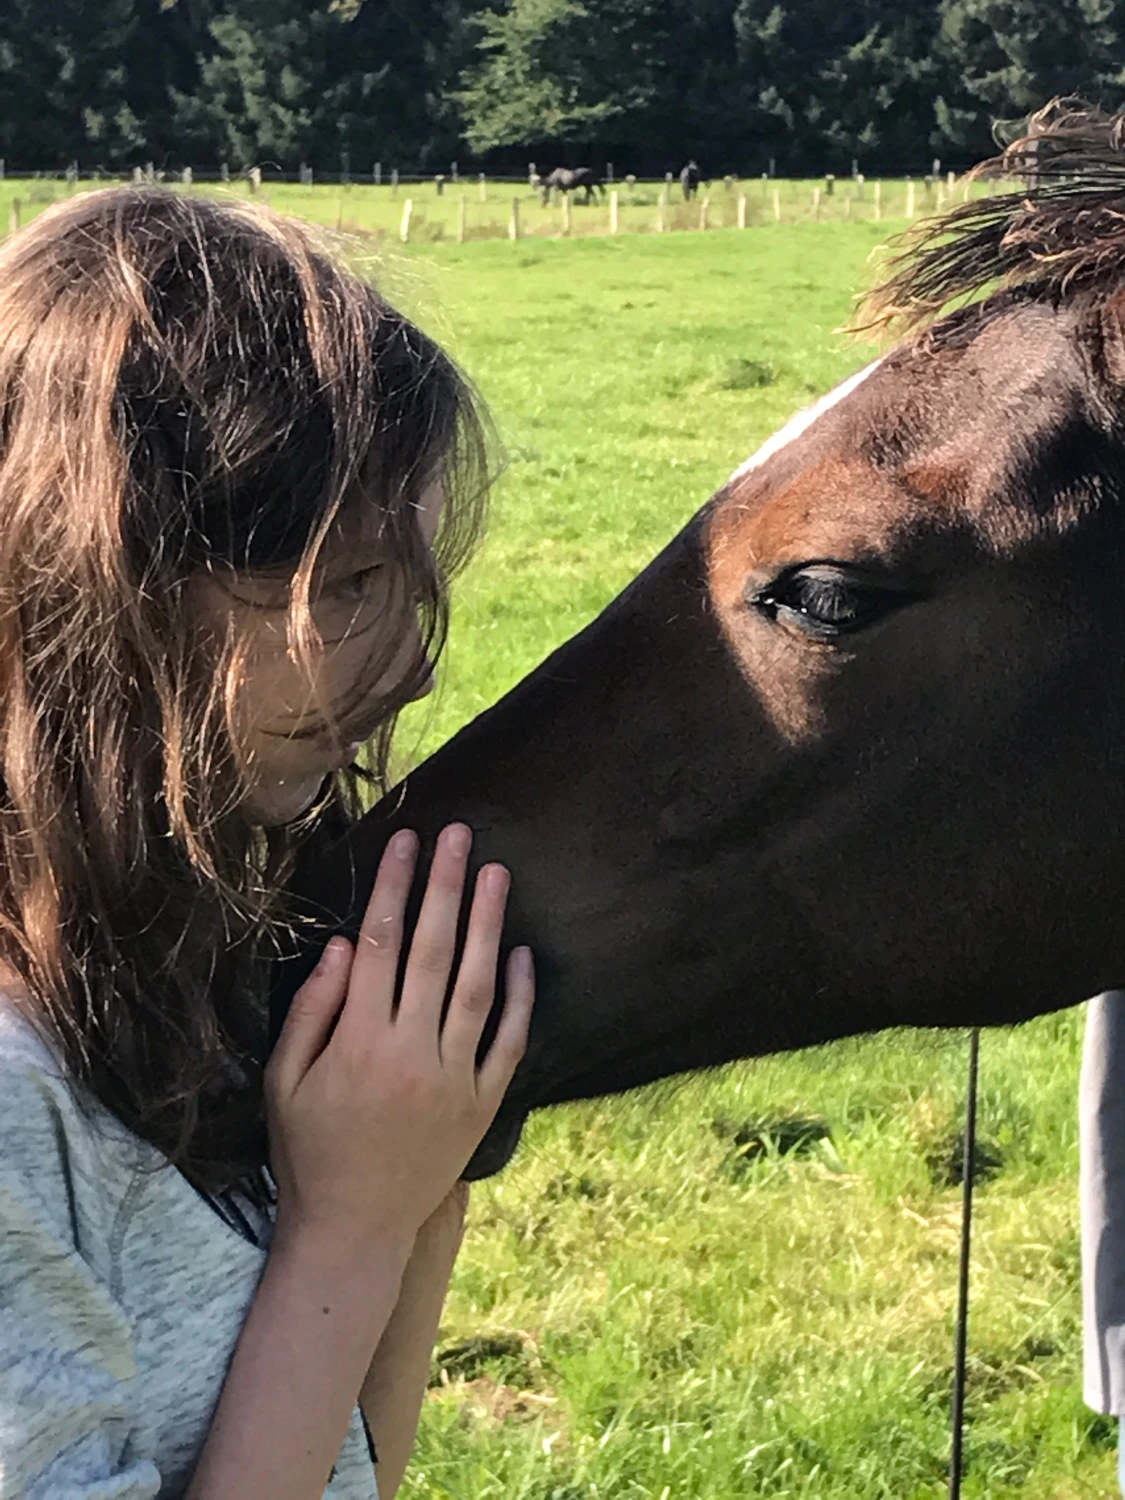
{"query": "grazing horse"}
pixel 568 179
pixel 689 179
pixel 850 753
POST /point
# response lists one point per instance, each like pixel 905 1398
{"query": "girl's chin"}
pixel 273 803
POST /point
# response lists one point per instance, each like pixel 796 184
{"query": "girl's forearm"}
pixel 300 1360
pixel 395 1385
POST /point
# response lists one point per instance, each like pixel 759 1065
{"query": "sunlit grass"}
pixel 465 209
pixel 668 1320
pixel 655 1315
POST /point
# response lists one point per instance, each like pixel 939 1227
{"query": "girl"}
pixel 233 484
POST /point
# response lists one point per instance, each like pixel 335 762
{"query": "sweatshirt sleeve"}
pixel 67 1358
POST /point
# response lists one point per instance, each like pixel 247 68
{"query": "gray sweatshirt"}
pixel 122 1295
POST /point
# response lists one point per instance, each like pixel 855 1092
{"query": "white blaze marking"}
pixel 803 420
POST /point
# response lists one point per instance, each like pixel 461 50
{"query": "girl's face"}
pixel 355 598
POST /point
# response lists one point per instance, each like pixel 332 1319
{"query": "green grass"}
pixel 377 212
pixel 643 1310
pixel 627 378
pixel 658 1316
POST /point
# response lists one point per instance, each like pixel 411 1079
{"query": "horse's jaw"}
pixel 705 873
pixel 497 1149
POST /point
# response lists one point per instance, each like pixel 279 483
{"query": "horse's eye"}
pixel 826 600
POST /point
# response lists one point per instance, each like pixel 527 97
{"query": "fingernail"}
pixel 404 844
pixel 458 839
pixel 333 950
pixel 497 878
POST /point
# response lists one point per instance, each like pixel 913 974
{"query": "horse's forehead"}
pixel 803 420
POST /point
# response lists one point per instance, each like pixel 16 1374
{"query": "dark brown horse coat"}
pixel 849 753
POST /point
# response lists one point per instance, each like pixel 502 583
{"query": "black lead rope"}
pixel 968 1154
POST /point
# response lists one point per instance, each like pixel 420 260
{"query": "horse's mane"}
pixel 1061 236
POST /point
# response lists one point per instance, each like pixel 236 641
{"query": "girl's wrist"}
pixel 324 1255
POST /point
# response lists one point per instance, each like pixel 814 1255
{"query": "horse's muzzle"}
pixel 497 1148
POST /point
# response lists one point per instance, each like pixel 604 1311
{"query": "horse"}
pixel 567 179
pixel 849 754
pixel 689 179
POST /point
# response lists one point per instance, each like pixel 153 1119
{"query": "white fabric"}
pixel 1101 1125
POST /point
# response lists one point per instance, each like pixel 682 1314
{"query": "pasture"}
pixel 656 1299
pixel 469 210
pixel 741 1284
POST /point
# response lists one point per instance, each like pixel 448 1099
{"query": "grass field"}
pixel 655 1301
pixel 641 1311
pixel 436 216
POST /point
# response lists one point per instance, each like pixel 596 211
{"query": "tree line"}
pixel 804 85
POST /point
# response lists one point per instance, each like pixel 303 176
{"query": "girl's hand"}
pixel 372 1123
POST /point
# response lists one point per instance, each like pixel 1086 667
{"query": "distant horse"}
pixel 850 753
pixel 689 179
pixel 568 179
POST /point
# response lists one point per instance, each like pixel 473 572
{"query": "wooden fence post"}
pixel 514 221
pixel 661 209
pixel 394 182
pixel 404 227
pixel 566 213
pixel 742 210
pixel 377 174
pixel 910 200
pixel 224 172
pixel 138 177
pixel 777 205
pixel 704 205
pixel 462 209
pixel 859 182
pixel 255 179
pixel 186 177
pixel 614 222
pixel 878 201
pixel 14 216
pixel 439 184
pixel 482 189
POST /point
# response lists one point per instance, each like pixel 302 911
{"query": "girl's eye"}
pixel 826 601
pixel 354 587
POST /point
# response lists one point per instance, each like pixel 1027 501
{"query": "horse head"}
pixel 850 753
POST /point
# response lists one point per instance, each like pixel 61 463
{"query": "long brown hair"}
pixel 186 387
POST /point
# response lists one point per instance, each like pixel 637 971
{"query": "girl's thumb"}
pixel 312 1013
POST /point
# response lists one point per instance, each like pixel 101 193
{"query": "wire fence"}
pixel 445 208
